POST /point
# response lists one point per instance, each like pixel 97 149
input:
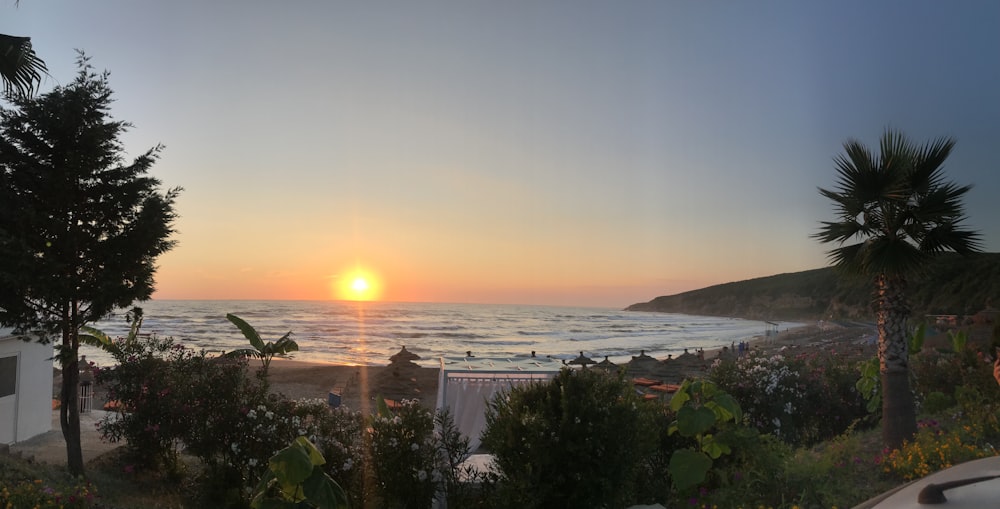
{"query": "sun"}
pixel 358 285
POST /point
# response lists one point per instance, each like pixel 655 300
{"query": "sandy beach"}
pixel 359 385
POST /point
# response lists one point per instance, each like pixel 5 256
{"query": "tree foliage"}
pixel 80 227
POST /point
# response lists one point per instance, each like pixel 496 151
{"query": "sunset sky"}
pixel 529 152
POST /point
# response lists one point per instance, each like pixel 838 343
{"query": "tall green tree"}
pixel 80 226
pixel 894 212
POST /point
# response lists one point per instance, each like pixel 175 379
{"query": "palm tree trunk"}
pixel 899 420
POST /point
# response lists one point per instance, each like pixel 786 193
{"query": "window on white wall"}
pixel 8 376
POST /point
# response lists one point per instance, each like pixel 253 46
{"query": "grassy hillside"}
pixel 955 285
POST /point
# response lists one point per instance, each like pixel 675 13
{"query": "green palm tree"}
pixel 895 212
pixel 20 69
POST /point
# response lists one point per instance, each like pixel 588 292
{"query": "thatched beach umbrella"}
pixel 642 360
pixel 404 355
pixel 606 364
pixel 582 360
pixel 687 358
pixel 641 364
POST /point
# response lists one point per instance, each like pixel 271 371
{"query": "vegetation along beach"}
pixel 498 255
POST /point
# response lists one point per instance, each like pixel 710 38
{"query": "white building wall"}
pixel 34 386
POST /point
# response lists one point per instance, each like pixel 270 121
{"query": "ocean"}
pixel 370 332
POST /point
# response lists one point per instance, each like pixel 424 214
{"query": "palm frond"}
pixel 898 204
pixel 949 237
pixel 839 232
pixel 20 69
pixel 926 173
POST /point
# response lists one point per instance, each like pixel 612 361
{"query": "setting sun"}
pixel 359 285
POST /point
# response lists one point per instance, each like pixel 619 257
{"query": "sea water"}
pixel 370 332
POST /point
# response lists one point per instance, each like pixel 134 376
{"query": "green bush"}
pixel 577 441
pixel 752 475
pixel 937 401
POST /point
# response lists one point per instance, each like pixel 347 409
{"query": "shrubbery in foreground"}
pixel 215 410
pixel 580 440
pixel 584 440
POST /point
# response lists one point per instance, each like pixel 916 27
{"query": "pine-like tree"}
pixel 80 227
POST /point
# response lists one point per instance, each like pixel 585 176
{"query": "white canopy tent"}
pixel 467 384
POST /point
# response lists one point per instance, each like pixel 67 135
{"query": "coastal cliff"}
pixel 955 285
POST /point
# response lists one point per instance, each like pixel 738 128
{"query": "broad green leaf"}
pixel 721 414
pixel 688 468
pixel 708 389
pixel 323 492
pixel 315 457
pixel 262 488
pixel 291 465
pixel 248 331
pixel 680 397
pixel 694 421
pixel 731 407
pixel 714 448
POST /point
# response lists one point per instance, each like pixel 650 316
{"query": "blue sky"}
pixel 591 153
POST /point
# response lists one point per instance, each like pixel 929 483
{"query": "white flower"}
pixel 414 446
pixel 253 462
pixel 235 447
pixel 421 475
pixel 252 414
pixel 269 415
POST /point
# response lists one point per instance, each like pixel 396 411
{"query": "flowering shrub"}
pixel 38 494
pixel 801 400
pixel 149 386
pixel 935 448
pixel 943 372
pixel 342 438
pixel 404 455
pixel 577 441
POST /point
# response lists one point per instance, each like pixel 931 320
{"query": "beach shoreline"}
pixel 359 385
